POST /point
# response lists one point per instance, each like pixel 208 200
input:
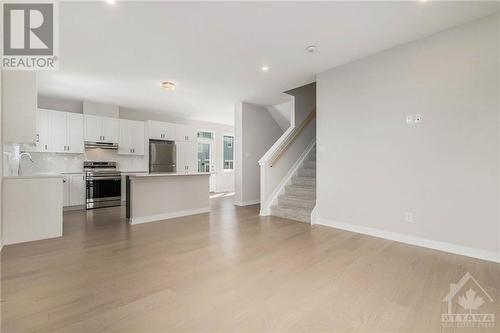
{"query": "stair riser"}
pixel 295 217
pixel 307 193
pixel 306 204
pixel 304 181
pixel 309 165
pixel 307 172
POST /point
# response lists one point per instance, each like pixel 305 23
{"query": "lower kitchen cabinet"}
pixel 73 190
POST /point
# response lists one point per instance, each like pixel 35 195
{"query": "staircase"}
pixel 299 198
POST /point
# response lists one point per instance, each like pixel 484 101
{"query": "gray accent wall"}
pixel 255 132
pixel 373 167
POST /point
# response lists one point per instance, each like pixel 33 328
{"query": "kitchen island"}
pixel 32 207
pixel 160 196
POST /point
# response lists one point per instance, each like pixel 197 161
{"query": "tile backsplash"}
pixel 59 163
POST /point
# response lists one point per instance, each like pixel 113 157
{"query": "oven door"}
pixel 103 191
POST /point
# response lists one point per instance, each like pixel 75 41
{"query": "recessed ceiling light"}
pixel 311 48
pixel 167 85
pixel 111 2
pixel 264 68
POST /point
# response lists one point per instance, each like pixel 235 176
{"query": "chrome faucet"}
pixel 19 169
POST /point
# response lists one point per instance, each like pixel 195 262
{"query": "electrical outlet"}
pixel 408 216
pixel 417 118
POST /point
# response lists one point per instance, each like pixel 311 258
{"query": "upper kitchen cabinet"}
pixel 186 156
pixel 101 129
pixel 186 133
pixel 74 123
pixel 58 132
pixel 131 141
pixel 159 130
pixel 19 104
pixel 42 136
pixel 65 132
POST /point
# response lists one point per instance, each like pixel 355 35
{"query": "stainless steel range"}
pixel 103 184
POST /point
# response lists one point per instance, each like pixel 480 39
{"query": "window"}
pixel 203 157
pixel 228 152
pixel 206 135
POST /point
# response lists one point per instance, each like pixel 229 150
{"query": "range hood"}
pixel 102 145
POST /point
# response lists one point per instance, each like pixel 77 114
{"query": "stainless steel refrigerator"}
pixel 161 156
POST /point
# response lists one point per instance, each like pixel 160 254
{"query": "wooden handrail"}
pixel 296 132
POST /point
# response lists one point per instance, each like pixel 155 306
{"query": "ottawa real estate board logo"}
pixel 30 35
pixel 468 305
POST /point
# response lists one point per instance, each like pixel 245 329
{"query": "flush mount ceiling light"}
pixel 264 68
pixel 167 85
pixel 111 2
pixel 311 48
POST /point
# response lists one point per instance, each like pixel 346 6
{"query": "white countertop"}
pixel 36 176
pixel 132 172
pixel 168 174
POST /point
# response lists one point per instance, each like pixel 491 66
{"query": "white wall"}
pixel 256 132
pixel 373 167
pixel 281 113
pixel 1 168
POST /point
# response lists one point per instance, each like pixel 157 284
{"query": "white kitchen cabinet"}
pixel 186 133
pixel 159 130
pixel 77 189
pixel 131 140
pixel 186 156
pixel 19 106
pixel 66 181
pixel 74 187
pixel 74 133
pixel 93 128
pixel 101 129
pixel 65 132
pixel 110 129
pixel 42 138
pixel 58 132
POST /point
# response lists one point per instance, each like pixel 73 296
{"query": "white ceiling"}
pixel 213 51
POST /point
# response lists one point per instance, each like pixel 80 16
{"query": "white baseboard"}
pixel 71 208
pixel 413 240
pixel 166 216
pixel 314 215
pixel 247 203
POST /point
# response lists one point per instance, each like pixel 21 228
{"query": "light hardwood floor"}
pixel 229 270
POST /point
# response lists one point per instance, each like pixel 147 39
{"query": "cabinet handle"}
pixel 45 147
pixel 103 137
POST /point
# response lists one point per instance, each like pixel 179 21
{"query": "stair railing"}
pixel 291 138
